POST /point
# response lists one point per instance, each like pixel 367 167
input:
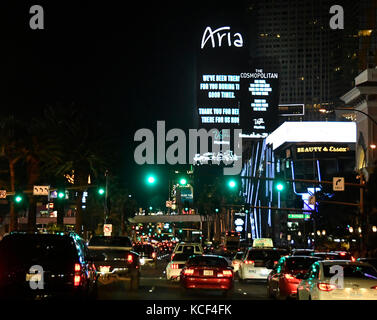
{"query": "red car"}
pixel 283 280
pixel 207 272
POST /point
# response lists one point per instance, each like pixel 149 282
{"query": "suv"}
pixel 188 248
pixel 115 260
pixel 38 266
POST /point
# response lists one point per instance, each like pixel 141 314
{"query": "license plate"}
pixel 208 273
pixel 104 269
pixel 142 261
pixel 33 277
pixel 355 293
pixel 252 271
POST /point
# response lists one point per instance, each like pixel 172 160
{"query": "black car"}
pixel 372 261
pixel 37 266
pixel 115 260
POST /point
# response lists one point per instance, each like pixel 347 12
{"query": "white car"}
pixel 175 266
pixel 257 263
pixel 339 280
pixel 237 260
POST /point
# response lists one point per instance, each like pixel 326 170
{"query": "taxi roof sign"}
pixel 263 243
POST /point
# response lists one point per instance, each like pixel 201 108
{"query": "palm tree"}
pixel 81 147
pixel 12 147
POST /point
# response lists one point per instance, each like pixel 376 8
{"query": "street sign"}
pixel 41 190
pixel 3 194
pixel 107 229
pixel 169 204
pixel 338 184
pixel 298 216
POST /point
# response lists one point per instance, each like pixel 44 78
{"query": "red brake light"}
pixel 154 255
pixel 353 259
pixel 189 271
pixel 326 287
pixel 130 258
pixel 174 266
pixel 342 253
pixel 77 267
pixel 249 261
pixel 227 273
pixel 374 287
pixel 76 281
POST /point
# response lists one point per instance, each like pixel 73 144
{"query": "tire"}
pixel 135 281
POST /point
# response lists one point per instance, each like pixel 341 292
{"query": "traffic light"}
pixel 61 194
pixel 232 184
pixel 216 210
pixel 151 179
pixel 101 191
pixel 279 186
pixel 180 230
pixel 182 181
pixel 18 198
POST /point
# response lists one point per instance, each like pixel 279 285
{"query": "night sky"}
pixel 126 65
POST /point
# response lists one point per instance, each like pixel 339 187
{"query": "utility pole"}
pixel 106 213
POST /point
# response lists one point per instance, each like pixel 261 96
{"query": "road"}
pixel 154 286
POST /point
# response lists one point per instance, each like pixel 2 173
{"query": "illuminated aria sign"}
pixel 318 149
pixel 216 37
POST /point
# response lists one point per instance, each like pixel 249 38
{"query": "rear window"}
pixel 188 249
pixel 203 261
pixel 328 256
pixel 299 263
pixel 37 249
pixel 110 242
pixel 180 257
pixel 264 255
pixel 145 248
pixel 353 271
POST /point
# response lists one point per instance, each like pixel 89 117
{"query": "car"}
pixel 236 261
pixel 115 259
pixel 357 281
pixel 302 252
pixel 38 266
pixel 207 272
pixel 372 261
pixel 147 254
pixel 257 263
pixel 175 266
pixel 334 255
pixel 188 248
pixel 282 281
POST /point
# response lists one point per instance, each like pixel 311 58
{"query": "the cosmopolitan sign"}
pixel 221 36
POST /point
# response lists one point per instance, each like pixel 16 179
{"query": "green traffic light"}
pixel 217 210
pixel 101 191
pixel 183 182
pixel 280 186
pixel 151 179
pixel 150 208
pixel 18 199
pixel 61 194
pixel 186 209
pixel 180 230
pixel 231 183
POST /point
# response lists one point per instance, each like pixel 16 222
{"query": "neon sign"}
pixel 221 33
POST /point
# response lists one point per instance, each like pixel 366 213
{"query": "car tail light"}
pixel 353 259
pixel 172 256
pixel 130 258
pixel 249 261
pixel 326 286
pixel 342 254
pixel 275 262
pixel 77 280
pixel 227 273
pixel 77 267
pixel 154 255
pixel 374 287
pixel 174 266
pixel 225 249
pixel 189 271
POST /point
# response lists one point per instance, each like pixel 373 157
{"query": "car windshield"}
pixel 189 249
pixel 203 261
pixel 110 242
pixel 264 255
pixel 180 257
pixel 26 249
pixel 299 263
pixel 238 255
pixel 352 271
